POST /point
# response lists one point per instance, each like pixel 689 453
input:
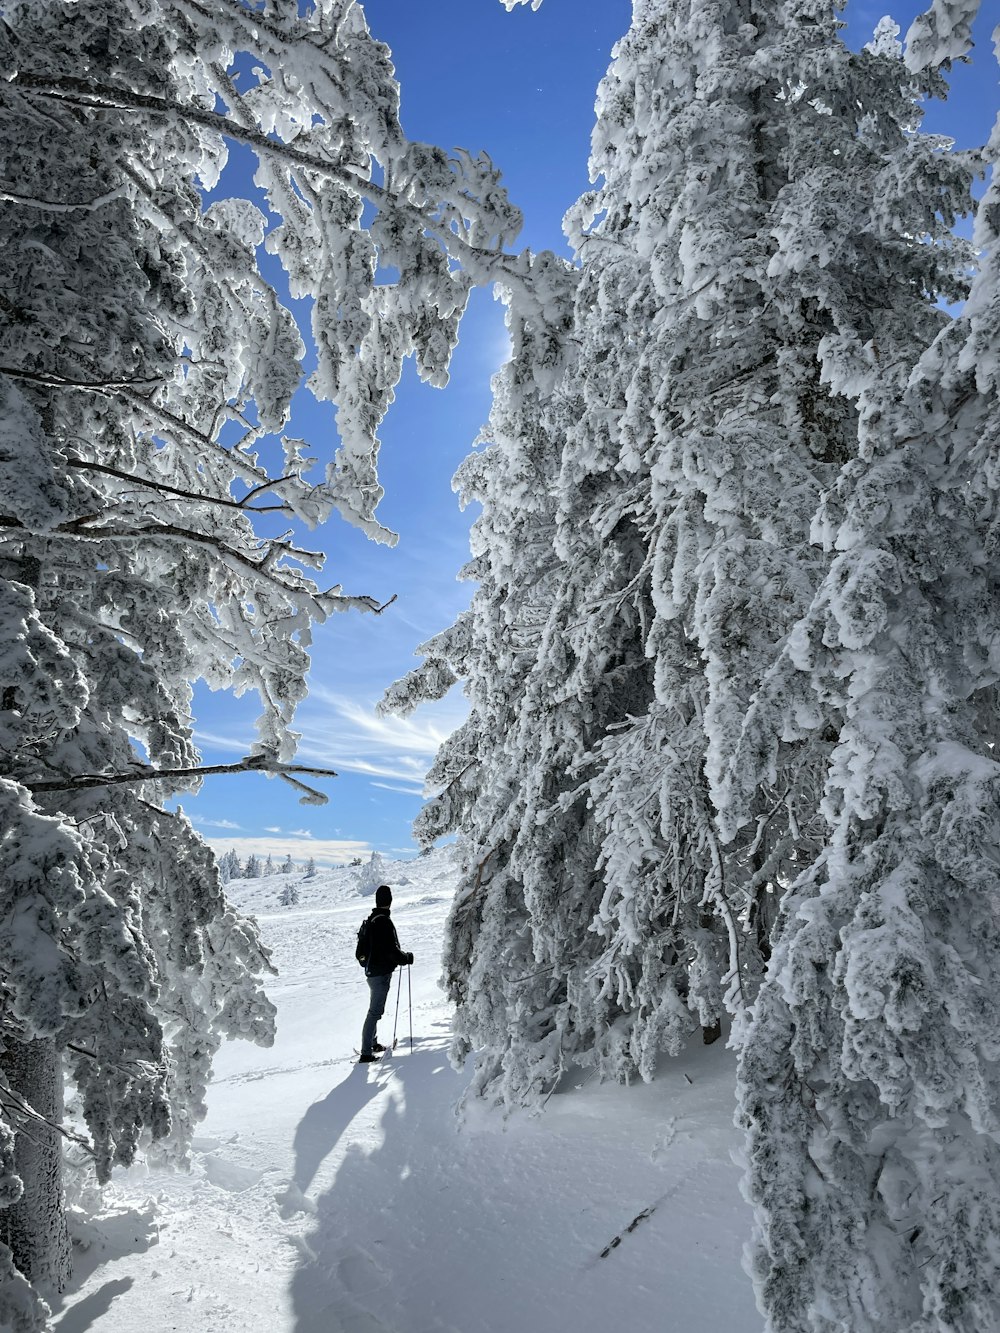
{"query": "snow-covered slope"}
pixel 327 1197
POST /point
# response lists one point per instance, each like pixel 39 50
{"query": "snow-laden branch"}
pixel 127 389
pixel 942 34
pixel 105 97
pixel 52 380
pixel 16 1108
pixel 481 263
pixel 201 497
pixel 59 206
pixel 136 324
pixel 146 773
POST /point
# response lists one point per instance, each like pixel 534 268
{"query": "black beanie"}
pixel 383 896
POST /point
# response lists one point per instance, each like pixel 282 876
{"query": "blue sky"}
pixel 520 85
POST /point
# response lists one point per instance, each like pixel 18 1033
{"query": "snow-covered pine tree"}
pixel 721 280
pixel 870 1075
pixel 252 868
pixel 229 866
pixel 755 279
pixel 371 875
pixel 477 776
pixel 287 865
pixel 142 359
pixel 269 867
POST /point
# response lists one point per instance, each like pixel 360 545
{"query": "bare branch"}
pixel 262 568
pixel 256 763
pixel 10 1101
pixel 54 206
pixel 167 418
pixel 84 465
pixel 65 382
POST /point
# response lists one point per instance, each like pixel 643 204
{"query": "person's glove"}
pixel 409 958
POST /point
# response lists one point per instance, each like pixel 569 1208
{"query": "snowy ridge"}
pixel 326 1197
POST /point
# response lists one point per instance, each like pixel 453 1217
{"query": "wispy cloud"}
pixel 346 734
pixel 407 791
pixel 402 766
pixel 214 741
pixel 343 732
pixel 422 734
pixel 214 823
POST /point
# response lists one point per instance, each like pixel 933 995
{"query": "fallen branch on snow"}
pixel 617 1240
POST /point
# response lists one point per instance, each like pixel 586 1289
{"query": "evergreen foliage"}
pixel 731 659
pixel 481 771
pixel 646 542
pixel 371 875
pixel 869 1077
pixel 229 866
pixel 143 359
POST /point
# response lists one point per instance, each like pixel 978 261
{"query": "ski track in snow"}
pixel 328 1197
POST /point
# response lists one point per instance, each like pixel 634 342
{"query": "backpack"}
pixel 363 947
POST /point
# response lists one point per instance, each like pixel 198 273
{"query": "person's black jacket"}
pixel 384 953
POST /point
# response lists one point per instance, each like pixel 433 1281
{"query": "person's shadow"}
pixel 341 1257
pixel 321 1127
pixel 85 1313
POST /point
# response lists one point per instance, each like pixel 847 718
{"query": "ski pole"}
pixel 395 1022
pixel 409 995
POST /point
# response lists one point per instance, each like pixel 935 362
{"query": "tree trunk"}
pixel 35 1226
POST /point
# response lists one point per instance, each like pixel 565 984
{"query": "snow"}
pixel 329 1197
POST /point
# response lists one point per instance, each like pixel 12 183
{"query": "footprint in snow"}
pixel 359 1272
pixel 205 1144
pixel 229 1175
pixel 291 1200
pixel 664 1143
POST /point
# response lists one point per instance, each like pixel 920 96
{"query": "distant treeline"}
pixel 231 867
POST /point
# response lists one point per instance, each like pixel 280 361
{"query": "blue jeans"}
pixel 379 987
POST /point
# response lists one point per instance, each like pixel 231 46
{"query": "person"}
pixel 384 956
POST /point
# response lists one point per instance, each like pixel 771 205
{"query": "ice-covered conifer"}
pixel 143 358
pixel 496 967
pixel 229 866
pixel 756 229
pixel 942 34
pixel 870 1075
pixel 766 241
pixel 372 875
